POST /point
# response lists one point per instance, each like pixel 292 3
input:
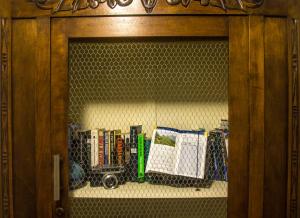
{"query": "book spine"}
pixel 141 159
pixel 95 148
pixel 147 150
pixel 134 131
pixel 86 152
pixel 127 150
pixel 120 150
pixel 101 148
pixel 106 147
pixel 112 147
pixel 109 148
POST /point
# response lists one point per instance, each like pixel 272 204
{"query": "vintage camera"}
pixel 110 177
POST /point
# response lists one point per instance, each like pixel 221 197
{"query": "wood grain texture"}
pixel 24 109
pixel 59 102
pixel 23 8
pixel 293 204
pixel 256 105
pixel 276 117
pixel 5 9
pixel 42 120
pixel 6 202
pixel 294 9
pixel 145 26
pixel 238 173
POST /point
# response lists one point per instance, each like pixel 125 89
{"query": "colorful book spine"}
pixel 101 148
pixel 141 158
pixel 106 148
pixel 134 131
pixel 120 151
pixel 147 150
pixel 117 135
pixel 127 150
pixel 95 148
pixel 112 147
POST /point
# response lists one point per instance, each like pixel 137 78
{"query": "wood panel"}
pixel 238 174
pixel 5 9
pixel 6 201
pixel 24 112
pixel 256 105
pixel 59 101
pixel 293 201
pixel 294 9
pixel 23 8
pixel 42 120
pixel 276 117
pixel 145 26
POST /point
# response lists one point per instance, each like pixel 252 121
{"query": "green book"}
pixel 141 165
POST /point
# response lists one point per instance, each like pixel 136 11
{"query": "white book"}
pixel 178 152
pixel 94 147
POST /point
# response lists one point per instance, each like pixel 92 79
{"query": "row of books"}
pixel 100 148
pixel 182 153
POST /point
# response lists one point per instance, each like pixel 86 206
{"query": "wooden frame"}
pixel 236 28
pixel 6 201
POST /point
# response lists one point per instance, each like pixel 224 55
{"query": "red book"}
pixel 120 150
pixel 101 147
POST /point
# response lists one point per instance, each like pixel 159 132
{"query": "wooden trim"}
pixel 145 26
pixel 6 149
pixel 238 173
pixel 276 117
pixel 293 202
pixel 43 153
pixel 63 6
pixel 59 102
pixel 257 87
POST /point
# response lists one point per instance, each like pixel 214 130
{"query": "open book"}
pixel 177 152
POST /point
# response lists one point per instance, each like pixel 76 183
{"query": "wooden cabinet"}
pixel 262 101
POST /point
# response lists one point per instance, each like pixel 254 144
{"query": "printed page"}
pixel 162 151
pixel 191 154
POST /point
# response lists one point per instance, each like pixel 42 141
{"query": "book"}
pixel 85 151
pixel 127 149
pixel 177 152
pixel 117 135
pixel 112 147
pixel 216 147
pixel 134 131
pixel 120 151
pixel 147 150
pixel 141 158
pixel 106 148
pixel 94 148
pixel 101 147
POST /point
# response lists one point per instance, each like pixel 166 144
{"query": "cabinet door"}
pixel 116 72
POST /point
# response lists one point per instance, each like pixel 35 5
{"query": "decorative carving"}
pixel 295 122
pixel 4 116
pixel 63 5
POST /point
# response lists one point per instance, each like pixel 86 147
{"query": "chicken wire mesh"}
pixel 145 138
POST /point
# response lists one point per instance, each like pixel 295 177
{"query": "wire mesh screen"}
pixel 148 127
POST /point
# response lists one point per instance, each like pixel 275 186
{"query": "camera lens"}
pixel 110 181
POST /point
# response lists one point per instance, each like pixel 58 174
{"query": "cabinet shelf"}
pixel 146 190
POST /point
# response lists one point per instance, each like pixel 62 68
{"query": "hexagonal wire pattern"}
pixel 171 82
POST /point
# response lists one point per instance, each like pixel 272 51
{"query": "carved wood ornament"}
pixel 76 5
pixel 4 117
pixel 294 155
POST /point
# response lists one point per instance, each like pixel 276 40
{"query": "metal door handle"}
pixel 56 177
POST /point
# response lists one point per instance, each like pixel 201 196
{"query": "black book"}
pixel 85 151
pixel 134 131
pixel 217 156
